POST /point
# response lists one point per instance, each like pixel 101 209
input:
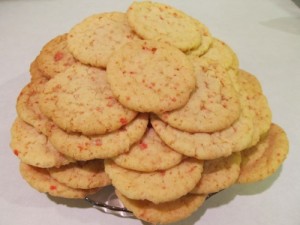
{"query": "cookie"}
pixel 263 160
pixel 149 154
pixel 35 72
pixel 206 42
pixel 33 148
pixel 81 174
pixel 213 106
pixel 39 179
pixel 207 146
pixel 55 57
pixel 163 213
pixel 157 187
pixel 160 22
pixel 80 100
pixel 81 147
pixel 93 40
pixel 28 105
pixel 218 174
pixel 257 104
pixel 149 76
pixel 222 54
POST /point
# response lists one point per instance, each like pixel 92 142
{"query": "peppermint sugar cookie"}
pixel 40 179
pixel 93 40
pixel 150 76
pixel 160 22
pixel 80 100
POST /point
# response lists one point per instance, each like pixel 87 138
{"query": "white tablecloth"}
pixel 265 34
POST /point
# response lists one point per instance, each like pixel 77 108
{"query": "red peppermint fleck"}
pixel 16 152
pixel 143 145
pixel 123 121
pixel 52 187
pixel 98 142
pixel 58 56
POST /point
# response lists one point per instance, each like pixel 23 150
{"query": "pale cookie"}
pixel 257 103
pixel 93 40
pixel 159 22
pixel 163 213
pixel 33 148
pixel 149 154
pixel 157 187
pixel 222 54
pixel 35 72
pixel 83 174
pixel 40 179
pixel 208 146
pixel 149 76
pixel 80 100
pixel 55 57
pixel 218 174
pixel 81 147
pixel 275 147
pixel 213 106
pixel 28 105
pixel 207 40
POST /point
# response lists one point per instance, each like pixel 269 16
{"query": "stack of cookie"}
pixel 150 102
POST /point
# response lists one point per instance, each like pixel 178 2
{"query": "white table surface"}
pixel 265 34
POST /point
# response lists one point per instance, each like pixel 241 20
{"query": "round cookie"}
pixel 149 76
pixel 208 146
pixel 39 179
pixel 218 174
pixel 207 40
pixel 160 22
pixel 213 106
pixel 149 154
pixel 33 148
pixel 81 147
pixel 93 40
pixel 28 105
pixel 83 174
pixel 257 104
pixel 157 187
pixel 55 57
pixel 275 147
pixel 80 100
pixel 163 213
pixel 222 54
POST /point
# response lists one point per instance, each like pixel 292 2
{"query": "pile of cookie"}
pixel 148 101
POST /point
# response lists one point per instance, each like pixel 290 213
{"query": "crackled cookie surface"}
pixel 93 40
pixel 163 213
pixel 149 154
pixel 81 174
pixel 157 187
pixel 219 174
pixel 82 147
pixel 213 106
pixel 33 148
pixel 149 76
pixel 156 21
pixel 262 160
pixel 55 57
pixel 257 104
pixel 40 179
pixel 28 105
pixel 80 100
